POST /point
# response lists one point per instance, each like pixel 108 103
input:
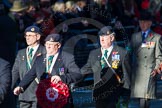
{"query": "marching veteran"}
pixel 111 69
pixel 24 62
pixel 62 67
pixel 146 47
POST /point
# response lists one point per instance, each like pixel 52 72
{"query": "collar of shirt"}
pixel 53 61
pixel 35 49
pixel 79 9
pixel 146 32
pixel 109 50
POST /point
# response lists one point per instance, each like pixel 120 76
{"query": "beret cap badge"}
pixel 32 29
pixel 51 39
pixel 108 32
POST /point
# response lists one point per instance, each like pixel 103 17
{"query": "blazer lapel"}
pixel 44 59
pixel 138 41
pixel 24 58
pixel 110 57
pixel 98 57
pixel 97 66
pixel 38 53
pixel 42 64
pixel 149 37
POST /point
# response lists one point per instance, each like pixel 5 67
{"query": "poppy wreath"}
pixel 51 95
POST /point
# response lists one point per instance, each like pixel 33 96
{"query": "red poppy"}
pixel 51 95
pixel 150 34
pixel 145 4
pixel 114 52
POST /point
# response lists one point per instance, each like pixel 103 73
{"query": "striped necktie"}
pixel 143 36
pixel 30 57
pixel 103 62
pixel 30 53
pixel 50 59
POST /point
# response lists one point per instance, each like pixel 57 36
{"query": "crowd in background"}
pixel 48 14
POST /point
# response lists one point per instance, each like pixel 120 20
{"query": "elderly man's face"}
pixel 145 24
pixel 32 39
pixel 106 40
pixel 52 47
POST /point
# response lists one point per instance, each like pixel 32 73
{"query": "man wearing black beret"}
pixel 111 69
pixel 24 62
pixel 61 68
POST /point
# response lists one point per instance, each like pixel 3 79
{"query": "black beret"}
pixel 34 29
pixel 107 30
pixel 53 38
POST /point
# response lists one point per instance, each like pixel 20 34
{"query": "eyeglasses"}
pixel 29 36
pixel 51 44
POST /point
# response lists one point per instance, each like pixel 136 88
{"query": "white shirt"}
pixel 34 49
pixel 146 33
pixel 53 62
pixel 108 49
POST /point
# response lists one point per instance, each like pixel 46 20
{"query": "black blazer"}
pixel 93 65
pixel 19 70
pixel 64 61
pixel 5 83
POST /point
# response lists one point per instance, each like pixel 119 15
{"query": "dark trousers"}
pixel 144 103
pixel 25 104
pixel 70 102
pixel 68 105
pixel 106 103
pixel 140 102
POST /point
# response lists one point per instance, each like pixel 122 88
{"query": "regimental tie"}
pixel 49 62
pixel 30 58
pixel 143 36
pixel 103 62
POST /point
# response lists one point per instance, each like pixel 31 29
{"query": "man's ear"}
pixel 38 36
pixel 112 38
pixel 59 45
pixel 150 23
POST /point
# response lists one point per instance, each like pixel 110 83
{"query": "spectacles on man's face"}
pixel 51 44
pixel 144 21
pixel 30 35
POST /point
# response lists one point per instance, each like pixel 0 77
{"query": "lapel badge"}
pixel 150 34
pixel 114 52
pixel 61 71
